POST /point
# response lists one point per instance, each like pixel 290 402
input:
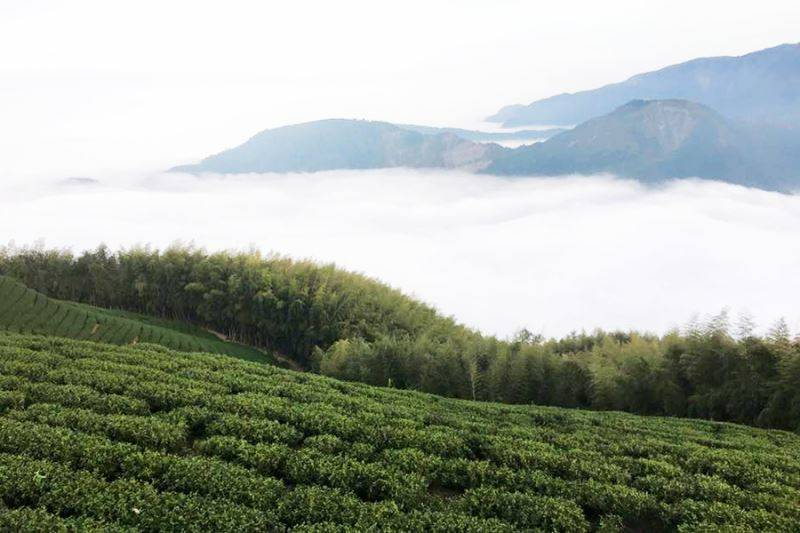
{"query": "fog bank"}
pixel 552 255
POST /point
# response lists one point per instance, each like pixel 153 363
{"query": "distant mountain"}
pixel 651 141
pixel 346 144
pixel 762 86
pixel 661 139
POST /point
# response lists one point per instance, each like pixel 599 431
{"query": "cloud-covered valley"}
pixel 552 255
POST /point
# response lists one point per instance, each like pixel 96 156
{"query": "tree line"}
pixel 352 327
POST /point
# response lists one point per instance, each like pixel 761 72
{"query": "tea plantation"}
pixel 24 310
pixel 97 437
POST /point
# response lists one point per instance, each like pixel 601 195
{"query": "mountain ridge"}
pixel 332 144
pixel 649 140
pixel 655 140
pixel 761 86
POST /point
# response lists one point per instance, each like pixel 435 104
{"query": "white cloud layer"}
pixel 552 255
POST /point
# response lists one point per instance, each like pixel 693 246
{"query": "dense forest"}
pixel 352 327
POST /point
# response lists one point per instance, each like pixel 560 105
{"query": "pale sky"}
pixel 94 86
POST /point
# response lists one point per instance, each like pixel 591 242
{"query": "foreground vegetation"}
pixel 354 328
pixel 24 310
pixel 99 437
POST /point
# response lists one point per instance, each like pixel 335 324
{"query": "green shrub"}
pixel 149 439
pixel 525 510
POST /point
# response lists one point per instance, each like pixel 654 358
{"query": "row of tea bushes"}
pixel 96 436
pixel 24 310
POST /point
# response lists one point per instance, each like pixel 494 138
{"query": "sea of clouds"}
pixel 551 254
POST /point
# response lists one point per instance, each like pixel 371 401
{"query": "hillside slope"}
pixel 662 139
pixel 24 310
pixel 763 86
pixel 352 327
pixel 94 436
pixel 345 144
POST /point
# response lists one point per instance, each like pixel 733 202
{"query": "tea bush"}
pixel 23 310
pixel 97 437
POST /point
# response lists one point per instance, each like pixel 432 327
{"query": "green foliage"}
pixel 96 437
pixel 288 306
pixel 354 328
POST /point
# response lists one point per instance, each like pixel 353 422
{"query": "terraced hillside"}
pixel 101 437
pixel 24 310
